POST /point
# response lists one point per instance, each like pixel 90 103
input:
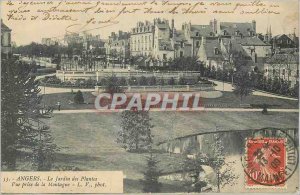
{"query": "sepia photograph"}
pixel 149 96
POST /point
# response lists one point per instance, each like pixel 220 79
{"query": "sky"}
pixel 25 32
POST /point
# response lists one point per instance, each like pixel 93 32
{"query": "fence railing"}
pixel 157 88
pixel 69 75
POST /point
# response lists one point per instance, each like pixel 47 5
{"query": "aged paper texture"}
pixel 153 96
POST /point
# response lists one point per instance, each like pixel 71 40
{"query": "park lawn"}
pixel 230 100
pixel 227 100
pixel 88 140
pixel 67 100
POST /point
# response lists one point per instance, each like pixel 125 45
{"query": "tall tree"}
pixel 243 85
pixel 193 166
pixel 151 175
pixel 135 130
pixel 224 170
pixel 21 113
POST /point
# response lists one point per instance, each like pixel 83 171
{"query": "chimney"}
pixel 173 28
pixel 254 25
pixel 203 40
pixel 215 24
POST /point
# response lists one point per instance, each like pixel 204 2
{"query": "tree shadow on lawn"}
pixel 67 100
pixel 146 151
pixel 62 157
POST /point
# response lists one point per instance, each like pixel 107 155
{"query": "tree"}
pixel 122 81
pixel 171 81
pixel 135 130
pixel 192 166
pixel 295 90
pixel 213 72
pixel 112 85
pixel 161 81
pixel 276 85
pixel 243 85
pixel 224 170
pixel 21 111
pixel 151 175
pixel 78 98
pixel 143 81
pixel 182 81
pixel 152 81
pixel 133 81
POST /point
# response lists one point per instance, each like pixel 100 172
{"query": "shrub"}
pixel 78 98
pixel 143 80
pixel 152 81
pixel 133 81
pixel 161 81
pixel 122 81
pixel 265 109
pixel 103 82
pixel 182 81
pixel 171 81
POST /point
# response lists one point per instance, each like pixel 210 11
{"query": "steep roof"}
pixel 251 41
pixel 203 30
pixel 232 27
pixel 210 46
pixel 285 58
pixel 179 36
pixel 162 25
pixel 4 27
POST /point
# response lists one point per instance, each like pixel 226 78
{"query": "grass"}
pixel 88 140
pixel 67 100
pixel 230 100
pixel 227 100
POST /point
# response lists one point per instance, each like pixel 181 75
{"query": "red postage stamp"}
pixel 266 162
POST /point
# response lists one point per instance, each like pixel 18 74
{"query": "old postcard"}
pixel 149 96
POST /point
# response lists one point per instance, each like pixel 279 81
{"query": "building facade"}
pixel 6 49
pixel 283 66
pixel 118 47
pixel 141 39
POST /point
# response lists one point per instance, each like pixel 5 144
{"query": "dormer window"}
pixel 197 34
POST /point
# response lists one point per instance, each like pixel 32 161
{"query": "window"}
pixel 181 44
pixel 197 43
pixel 197 34
pixel 165 47
pixel 216 51
pixel 181 54
pixel 266 70
pixel 164 56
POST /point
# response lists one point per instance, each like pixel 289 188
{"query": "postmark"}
pixel 269 160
